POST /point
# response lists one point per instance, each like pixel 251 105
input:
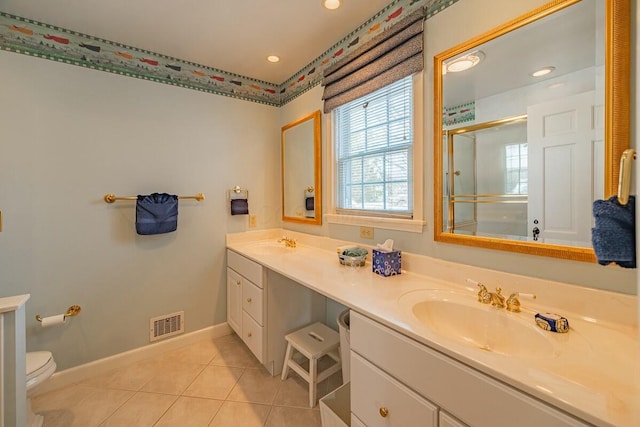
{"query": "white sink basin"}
pixel 271 248
pixel 459 317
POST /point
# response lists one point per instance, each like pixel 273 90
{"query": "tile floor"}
pixel 216 383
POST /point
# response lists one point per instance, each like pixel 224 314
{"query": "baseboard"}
pixel 83 372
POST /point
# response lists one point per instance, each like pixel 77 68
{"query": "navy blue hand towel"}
pixel 614 234
pixel 156 213
pixel 239 207
pixel 309 203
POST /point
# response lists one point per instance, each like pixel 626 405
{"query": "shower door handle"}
pixel 536 232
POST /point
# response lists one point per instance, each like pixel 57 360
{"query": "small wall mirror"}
pixel 301 170
pixel 532 118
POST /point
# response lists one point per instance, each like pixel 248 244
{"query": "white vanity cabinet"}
pixel 246 302
pixel 396 381
pixel 263 306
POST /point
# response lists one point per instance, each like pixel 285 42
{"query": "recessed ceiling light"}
pixel 331 4
pixel 465 62
pixel 273 58
pixel 543 71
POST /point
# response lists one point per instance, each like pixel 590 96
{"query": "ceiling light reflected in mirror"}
pixel 543 71
pixel 464 63
pixel 331 4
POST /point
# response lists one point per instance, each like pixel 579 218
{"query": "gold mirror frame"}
pixel 617 121
pixel 316 190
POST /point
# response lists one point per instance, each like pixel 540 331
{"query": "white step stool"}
pixel 313 342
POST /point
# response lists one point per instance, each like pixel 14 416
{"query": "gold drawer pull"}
pixel 249 300
pixel 248 334
pixel 384 412
pixel 238 282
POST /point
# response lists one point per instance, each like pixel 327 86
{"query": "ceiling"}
pixel 234 36
pixel 567 40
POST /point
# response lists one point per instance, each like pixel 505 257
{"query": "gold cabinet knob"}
pixel 384 412
pixel 248 334
pixel 249 300
pixel 238 282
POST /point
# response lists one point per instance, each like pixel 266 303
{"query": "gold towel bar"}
pixel 624 181
pixel 110 198
pixel 74 310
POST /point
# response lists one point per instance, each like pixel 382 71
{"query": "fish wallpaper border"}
pixel 41 40
pixel 464 113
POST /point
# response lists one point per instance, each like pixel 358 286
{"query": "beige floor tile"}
pixel 214 382
pixel 201 353
pixel 131 377
pixel 190 412
pixel 90 408
pixel 293 417
pixel 143 409
pixel 233 352
pixel 234 414
pixel 256 386
pixel 173 378
pixel 294 391
pixel 60 398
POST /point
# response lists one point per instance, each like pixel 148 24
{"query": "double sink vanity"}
pixel 425 352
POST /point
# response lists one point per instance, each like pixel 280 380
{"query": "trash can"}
pixel 345 345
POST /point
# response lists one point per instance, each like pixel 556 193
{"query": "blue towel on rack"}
pixel 156 213
pixel 614 234
pixel 309 203
pixel 239 207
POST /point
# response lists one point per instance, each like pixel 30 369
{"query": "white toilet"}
pixel 40 366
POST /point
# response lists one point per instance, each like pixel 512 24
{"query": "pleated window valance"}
pixel 392 55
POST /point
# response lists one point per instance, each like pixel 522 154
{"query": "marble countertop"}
pixel 593 371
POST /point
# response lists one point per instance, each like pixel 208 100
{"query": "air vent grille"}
pixel 166 326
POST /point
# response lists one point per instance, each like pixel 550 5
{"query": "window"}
pixel 516 177
pixel 374 149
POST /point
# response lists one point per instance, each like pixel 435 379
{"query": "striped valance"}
pixel 394 54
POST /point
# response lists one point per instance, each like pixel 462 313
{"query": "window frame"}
pixel 386 220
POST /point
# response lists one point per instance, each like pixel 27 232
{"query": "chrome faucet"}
pixel 290 243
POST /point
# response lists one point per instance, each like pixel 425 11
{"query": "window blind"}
pixel 392 55
pixel 374 152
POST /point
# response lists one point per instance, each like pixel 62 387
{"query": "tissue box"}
pixel 386 263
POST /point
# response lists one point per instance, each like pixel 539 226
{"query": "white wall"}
pixel 69 136
pixel 448 28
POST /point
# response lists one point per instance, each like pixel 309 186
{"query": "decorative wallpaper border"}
pixel 33 38
pixel 459 114
pixel 312 74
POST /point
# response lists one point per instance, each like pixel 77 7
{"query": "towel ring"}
pixel 624 180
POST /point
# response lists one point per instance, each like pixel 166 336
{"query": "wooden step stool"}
pixel 313 342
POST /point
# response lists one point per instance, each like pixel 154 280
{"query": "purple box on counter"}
pixel 386 263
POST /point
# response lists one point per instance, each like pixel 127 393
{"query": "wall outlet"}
pixel 253 221
pixel 366 232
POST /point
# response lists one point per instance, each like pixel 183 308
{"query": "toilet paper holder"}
pixel 74 310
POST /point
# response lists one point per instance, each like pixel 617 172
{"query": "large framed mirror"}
pixel 301 170
pixel 531 120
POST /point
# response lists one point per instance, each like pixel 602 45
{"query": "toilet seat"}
pixel 40 366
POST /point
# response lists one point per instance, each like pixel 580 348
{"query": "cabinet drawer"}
pixel 252 301
pixel 249 269
pixel 473 397
pixel 252 335
pixel 447 420
pixel 355 422
pixel 373 391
